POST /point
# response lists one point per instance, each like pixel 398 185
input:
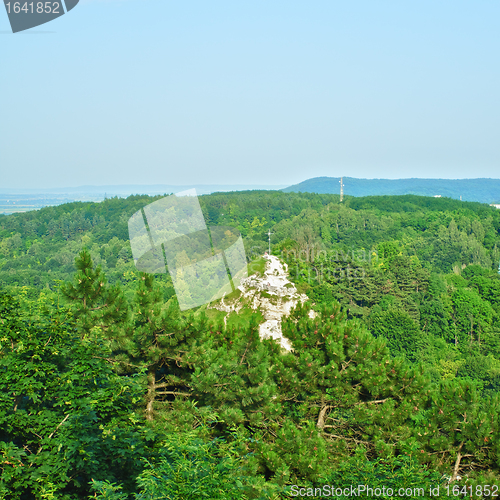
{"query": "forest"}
pixel 110 391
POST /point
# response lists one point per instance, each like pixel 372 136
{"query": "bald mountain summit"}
pixel 269 294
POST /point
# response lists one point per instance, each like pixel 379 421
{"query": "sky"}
pixel 250 92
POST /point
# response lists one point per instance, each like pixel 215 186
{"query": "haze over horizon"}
pixel 153 189
pixel 157 92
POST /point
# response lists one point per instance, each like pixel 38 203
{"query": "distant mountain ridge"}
pixel 132 189
pixel 482 190
pixel 25 199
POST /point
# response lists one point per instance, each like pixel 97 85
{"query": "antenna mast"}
pixel 341 189
pixel 269 235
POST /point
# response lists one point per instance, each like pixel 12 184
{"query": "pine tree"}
pixel 232 376
pixel 460 430
pixel 160 343
pixel 95 304
pixel 347 381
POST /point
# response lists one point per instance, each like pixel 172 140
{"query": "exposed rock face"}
pixel 273 295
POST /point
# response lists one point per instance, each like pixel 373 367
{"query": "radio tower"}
pixel 341 189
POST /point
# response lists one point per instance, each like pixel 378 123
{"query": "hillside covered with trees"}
pixel 110 391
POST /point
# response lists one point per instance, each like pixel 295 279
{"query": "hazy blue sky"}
pixel 254 91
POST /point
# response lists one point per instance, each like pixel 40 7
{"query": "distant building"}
pixel 495 205
pixel 437 196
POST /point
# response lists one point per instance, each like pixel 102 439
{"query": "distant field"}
pixel 4 209
pixel 15 203
pixel 28 199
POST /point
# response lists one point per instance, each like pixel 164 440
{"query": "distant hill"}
pixel 14 200
pixel 124 190
pixel 482 190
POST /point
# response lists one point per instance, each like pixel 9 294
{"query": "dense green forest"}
pixel 109 391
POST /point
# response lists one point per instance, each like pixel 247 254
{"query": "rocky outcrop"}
pixel 272 294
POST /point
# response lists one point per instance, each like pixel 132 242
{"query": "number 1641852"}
pixel 33 7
